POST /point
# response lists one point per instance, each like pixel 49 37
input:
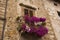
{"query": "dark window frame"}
pixel 30 13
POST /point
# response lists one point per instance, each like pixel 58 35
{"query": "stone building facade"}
pixel 11 9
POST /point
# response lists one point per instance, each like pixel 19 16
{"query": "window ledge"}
pixel 28 6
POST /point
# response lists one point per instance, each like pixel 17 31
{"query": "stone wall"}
pixel 2 11
pixel 53 15
pixel 40 12
pixel 43 9
pixel 11 32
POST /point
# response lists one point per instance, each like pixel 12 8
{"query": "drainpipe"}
pixel 4 24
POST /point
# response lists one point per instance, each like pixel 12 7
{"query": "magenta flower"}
pixel 42 31
pixel 35 19
pixel 33 30
pixel 23 26
pixel 27 18
pixel 42 19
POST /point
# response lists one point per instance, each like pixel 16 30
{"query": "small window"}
pixel 28 10
pixel 30 13
pixel 25 11
pixel 58 13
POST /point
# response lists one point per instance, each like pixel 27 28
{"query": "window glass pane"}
pixel 25 11
pixel 31 13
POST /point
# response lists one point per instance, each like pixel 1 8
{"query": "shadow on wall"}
pixel 57 1
pixel 26 36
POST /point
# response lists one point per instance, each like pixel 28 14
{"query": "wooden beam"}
pixel 27 6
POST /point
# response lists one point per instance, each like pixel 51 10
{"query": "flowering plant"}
pixel 35 19
pixel 39 31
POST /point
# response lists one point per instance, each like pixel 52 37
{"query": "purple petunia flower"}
pixel 42 31
pixel 27 18
pixel 32 29
pixel 23 26
pixel 35 19
pixel 42 19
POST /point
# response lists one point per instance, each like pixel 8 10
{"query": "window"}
pixel 30 13
pixel 28 10
pixel 58 13
pixel 25 11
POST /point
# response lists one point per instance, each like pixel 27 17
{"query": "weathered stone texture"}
pixel 53 15
pixel 41 12
pixel 11 32
pixel 2 10
pixel 43 9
